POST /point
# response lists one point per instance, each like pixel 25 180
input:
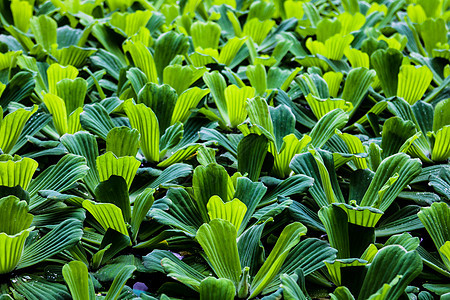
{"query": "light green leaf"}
pixel 108 164
pixel 413 82
pixel 108 215
pixel 209 181
pixel 11 127
pixel 290 236
pixel 144 120
pixel 321 107
pixel 123 141
pixel 188 100
pixel 387 65
pixel 44 31
pixel 236 99
pixel 212 289
pixel 76 276
pixel 142 59
pixel 232 211
pixel 14 216
pixel 17 172
pixel 218 240
pixel 119 282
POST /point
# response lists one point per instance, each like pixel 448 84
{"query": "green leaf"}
pixel 342 293
pixel 73 92
pixel 56 73
pixel 207 182
pixel 108 164
pixel 123 141
pixel 258 113
pixel 212 288
pixel 321 107
pixel 387 65
pixel 441 149
pixel 44 31
pixel 114 190
pixel 441 115
pixel 236 99
pixel 309 256
pixel 167 46
pixel 292 290
pixel 326 127
pixel 141 207
pixel 413 82
pixel 357 85
pixel 216 83
pixel 14 215
pixel 388 263
pixel 258 78
pixel 218 240
pixel 335 221
pixel 436 220
pixel 205 35
pixel 108 215
pixel 63 236
pixel 22 11
pixel 395 133
pixel 341 269
pixel 290 147
pixel 151 95
pixel 96 119
pixel 17 172
pixel 11 127
pixel 12 249
pixel 252 150
pixel 85 145
pixel 230 50
pixel 77 278
pixel 59 178
pixel 355 146
pixel 232 211
pixel 400 163
pixel 142 59
pixel 290 236
pixel 188 100
pixel 190 74
pixel 144 120
pixel 119 282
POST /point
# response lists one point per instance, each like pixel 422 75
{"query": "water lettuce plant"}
pixel 224 149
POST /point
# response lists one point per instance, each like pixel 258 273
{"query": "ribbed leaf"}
pixel 114 190
pixel 207 182
pixel 257 30
pixel 63 236
pixel 77 278
pixel 58 178
pixel 212 288
pixel 95 118
pixel 258 78
pixel 142 59
pixel 218 240
pixel 167 46
pixel 291 146
pixel 339 267
pixel 141 207
pixel 123 141
pixel 85 145
pixel 413 82
pixel 388 263
pixel 236 99
pixel 216 83
pixel 406 168
pixel 188 100
pixel 387 65
pixel 355 146
pixel 230 49
pixel 232 211
pixel 22 11
pixel 11 250
pixel 290 236
pixel 119 282
pixel 362 216
pixel 108 215
pixel 108 164
pixel 357 85
pixel 252 150
pixel 309 255
pixel 56 73
pixel 190 74
pixel 205 35
pixel 436 220
pixel 441 147
pixel 326 127
pixel 162 100
pixel 17 172
pixel 144 120
pixel 11 127
pixel 14 216
pixel 73 92
pixel 44 30
pixel 321 107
